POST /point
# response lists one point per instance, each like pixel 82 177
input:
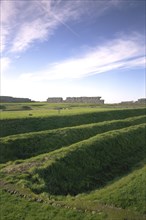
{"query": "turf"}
pixel 94 162
pixel 30 124
pixel 26 145
pixel 81 162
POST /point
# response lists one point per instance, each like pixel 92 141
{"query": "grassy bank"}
pixel 128 192
pixel 82 163
pixel 92 163
pixel 24 125
pixel 31 144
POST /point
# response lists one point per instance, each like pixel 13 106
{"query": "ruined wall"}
pixel 96 100
pixel 142 101
pixel 55 100
pixel 84 100
pixel 139 101
pixel 12 99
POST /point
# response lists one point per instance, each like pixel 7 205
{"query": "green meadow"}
pixel 72 161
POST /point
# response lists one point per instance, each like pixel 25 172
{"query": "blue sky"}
pixel 61 48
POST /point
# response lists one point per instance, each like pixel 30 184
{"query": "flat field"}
pixel 72 161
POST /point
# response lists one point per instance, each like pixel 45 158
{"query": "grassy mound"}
pixel 24 125
pixel 48 156
pixel 14 208
pixel 128 192
pixel 94 162
pixel 27 145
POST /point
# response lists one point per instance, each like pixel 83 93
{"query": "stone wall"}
pixel 142 101
pixel 139 101
pixel 96 100
pixel 84 100
pixel 12 99
pixel 55 100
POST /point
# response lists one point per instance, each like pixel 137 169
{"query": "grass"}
pixel 92 163
pixel 80 163
pixel 17 110
pixel 46 106
pixel 28 210
pixel 24 209
pixel 30 124
pixel 128 192
pixel 23 146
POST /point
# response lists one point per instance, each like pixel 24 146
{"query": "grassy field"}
pixel 72 161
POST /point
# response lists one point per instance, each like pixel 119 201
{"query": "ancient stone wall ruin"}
pixel 55 100
pixel 96 100
pixel 12 99
pixel 141 101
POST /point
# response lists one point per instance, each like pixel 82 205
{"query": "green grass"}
pixel 17 110
pixel 30 124
pixel 92 163
pixel 128 192
pixel 23 146
pixel 24 209
pixel 44 105
pixel 86 162
pixel 15 208
pixel 47 106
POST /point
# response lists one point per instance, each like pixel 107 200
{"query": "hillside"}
pixel 77 165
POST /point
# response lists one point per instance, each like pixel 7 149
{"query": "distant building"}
pixel 12 99
pixel 127 102
pixel 141 101
pixel 96 100
pixel 55 100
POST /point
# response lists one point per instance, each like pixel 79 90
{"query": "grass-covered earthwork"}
pixel 72 162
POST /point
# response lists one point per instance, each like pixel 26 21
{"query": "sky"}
pixel 67 48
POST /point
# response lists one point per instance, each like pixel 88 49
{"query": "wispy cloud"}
pixel 23 23
pixel 4 63
pixel 8 15
pixel 28 33
pixel 116 54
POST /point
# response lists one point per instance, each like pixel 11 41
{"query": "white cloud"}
pixel 23 23
pixel 56 80
pixel 28 33
pixel 8 13
pixel 4 63
pixel 136 63
pixel 118 53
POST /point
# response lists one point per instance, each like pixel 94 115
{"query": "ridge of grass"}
pixel 30 210
pixel 25 125
pixel 127 192
pixel 101 160
pixel 23 146
pixel 92 163
pixel 24 208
